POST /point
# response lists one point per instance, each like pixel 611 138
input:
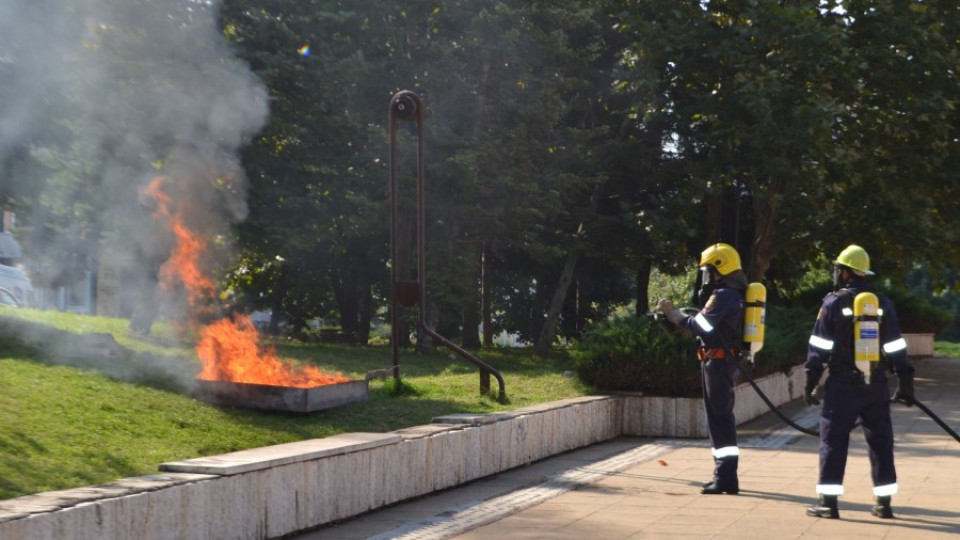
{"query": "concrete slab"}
pixel 281 398
pixel 256 459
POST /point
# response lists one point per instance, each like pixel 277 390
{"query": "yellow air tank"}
pixel 866 332
pixel 754 318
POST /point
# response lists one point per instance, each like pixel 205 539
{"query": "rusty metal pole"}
pixel 406 105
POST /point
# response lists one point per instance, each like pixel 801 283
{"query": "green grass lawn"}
pixel 946 348
pixel 65 426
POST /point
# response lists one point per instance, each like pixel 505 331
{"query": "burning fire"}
pixel 229 351
pixel 229 348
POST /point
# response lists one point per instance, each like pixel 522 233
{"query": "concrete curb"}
pixel 275 491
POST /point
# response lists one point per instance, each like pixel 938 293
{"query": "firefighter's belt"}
pixel 704 354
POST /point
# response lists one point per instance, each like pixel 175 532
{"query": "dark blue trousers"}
pixel 844 402
pixel 719 378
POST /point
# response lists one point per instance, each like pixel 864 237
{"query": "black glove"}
pixel 810 391
pixel 904 393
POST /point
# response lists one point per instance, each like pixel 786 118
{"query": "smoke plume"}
pixel 99 97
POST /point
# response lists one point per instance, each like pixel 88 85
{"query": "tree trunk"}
pixel 643 286
pixel 276 313
pixel 364 323
pixel 767 212
pixel 486 315
pixel 714 217
pixel 549 329
pixel 471 320
pixel 580 310
pixel 470 338
pixel 344 283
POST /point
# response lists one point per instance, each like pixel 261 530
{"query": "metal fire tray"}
pixel 281 398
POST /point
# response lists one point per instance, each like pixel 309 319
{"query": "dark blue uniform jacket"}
pixel 831 341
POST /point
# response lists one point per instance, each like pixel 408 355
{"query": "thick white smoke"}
pixel 102 96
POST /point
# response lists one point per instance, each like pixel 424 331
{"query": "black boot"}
pixel 719 487
pixel 826 507
pixel 882 508
pixel 724 477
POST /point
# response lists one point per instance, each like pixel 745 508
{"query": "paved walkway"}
pixel 633 489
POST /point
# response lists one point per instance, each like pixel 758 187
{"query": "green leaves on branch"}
pixel 637 355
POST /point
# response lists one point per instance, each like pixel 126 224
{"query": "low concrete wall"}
pixel 277 490
pixel 685 417
pixel 919 344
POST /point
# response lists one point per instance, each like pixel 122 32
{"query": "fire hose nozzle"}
pixel 405 105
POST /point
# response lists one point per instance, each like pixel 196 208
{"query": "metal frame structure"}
pixel 406 105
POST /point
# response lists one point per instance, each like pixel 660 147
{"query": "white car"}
pixel 16 282
pixel 8 299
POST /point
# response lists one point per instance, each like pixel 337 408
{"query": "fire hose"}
pixel 792 424
pixel 784 417
pixel 936 419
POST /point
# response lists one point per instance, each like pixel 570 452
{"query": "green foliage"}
pixel 678 288
pixel 858 145
pixel 918 314
pixel 637 354
pixel 951 303
pixel 950 349
pixel 917 310
pixel 785 341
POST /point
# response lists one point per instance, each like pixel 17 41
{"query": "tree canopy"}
pixel 571 147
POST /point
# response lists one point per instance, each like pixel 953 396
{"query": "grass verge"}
pixel 67 421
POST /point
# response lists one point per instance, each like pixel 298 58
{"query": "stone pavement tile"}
pixel 658 495
pixel 504 531
pixel 609 526
pixel 693 530
pixel 594 495
pixel 643 535
pixel 910 529
pixel 744 502
pixel 715 519
pixel 553 515
pixel 851 525
pixel 768 524
pixel 587 528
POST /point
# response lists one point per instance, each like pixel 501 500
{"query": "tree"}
pixel 810 148
pixel 318 170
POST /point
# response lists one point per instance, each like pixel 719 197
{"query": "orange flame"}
pixel 184 262
pixel 229 348
pixel 236 340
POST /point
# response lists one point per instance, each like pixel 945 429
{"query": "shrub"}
pixel 918 314
pixel 635 354
pixel 785 342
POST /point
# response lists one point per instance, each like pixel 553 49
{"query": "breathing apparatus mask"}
pixel 838 280
pixel 707 282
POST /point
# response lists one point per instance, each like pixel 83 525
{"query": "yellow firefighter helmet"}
pixel 855 258
pixel 722 257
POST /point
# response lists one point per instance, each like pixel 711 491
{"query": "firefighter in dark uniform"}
pixel 719 330
pixel 850 393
